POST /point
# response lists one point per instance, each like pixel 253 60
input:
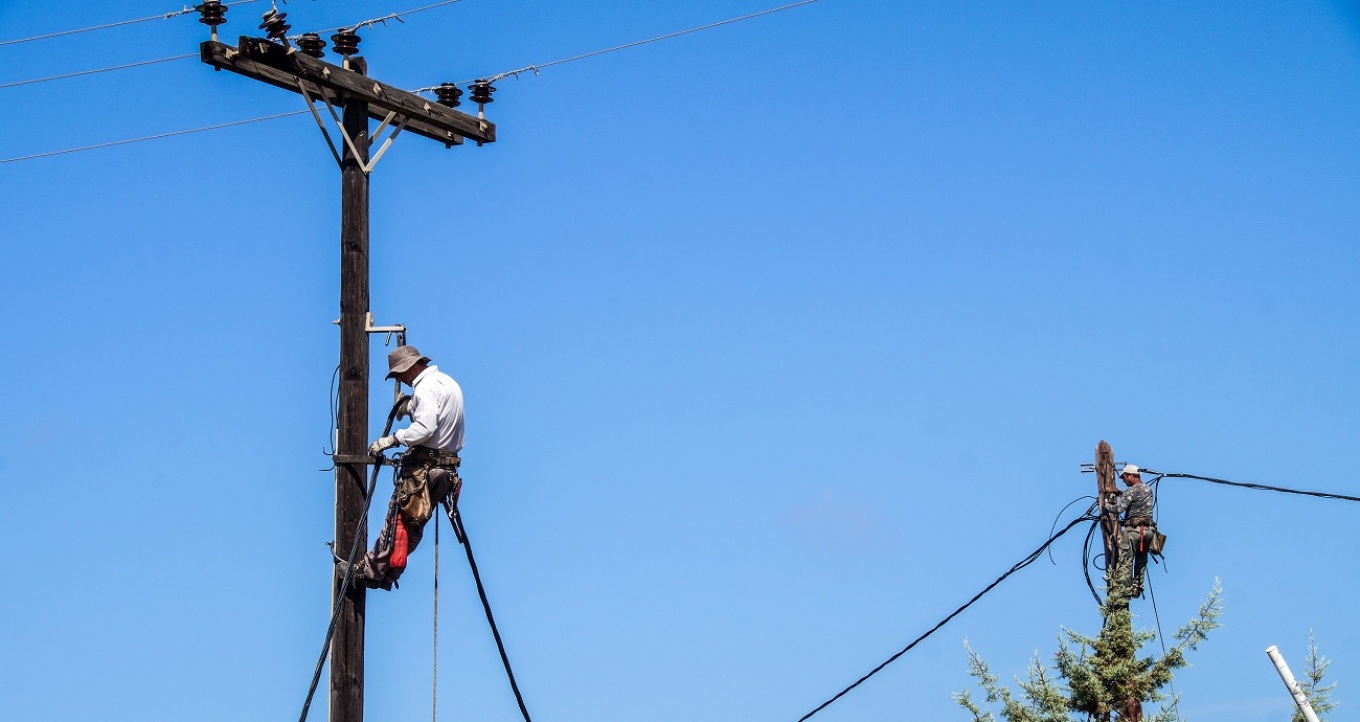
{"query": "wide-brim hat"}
pixel 403 358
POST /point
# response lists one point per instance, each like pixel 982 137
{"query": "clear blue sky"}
pixel 779 342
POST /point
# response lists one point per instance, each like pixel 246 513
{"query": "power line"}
pixel 365 23
pixel 1258 487
pixel 1028 560
pixel 163 16
pixel 79 73
pixel 150 137
pixel 534 68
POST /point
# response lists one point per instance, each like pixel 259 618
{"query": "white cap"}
pixel 1129 469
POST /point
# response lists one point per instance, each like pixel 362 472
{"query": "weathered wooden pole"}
pixel 1131 709
pixel 1109 520
pixel 347 646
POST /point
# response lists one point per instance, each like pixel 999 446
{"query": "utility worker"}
pixel 1138 528
pixel 429 468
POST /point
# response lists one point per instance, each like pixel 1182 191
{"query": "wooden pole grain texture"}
pixel 347 646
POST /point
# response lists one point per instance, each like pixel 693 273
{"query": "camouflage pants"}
pixel 1133 554
pixel 420 488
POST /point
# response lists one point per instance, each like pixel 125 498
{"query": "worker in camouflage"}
pixel 1137 528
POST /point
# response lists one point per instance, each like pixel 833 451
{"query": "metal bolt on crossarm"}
pixel 448 95
pixel 312 44
pixel 213 13
pixel 275 25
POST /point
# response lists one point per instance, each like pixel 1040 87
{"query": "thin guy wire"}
pixel 150 137
pixel 1175 700
pixel 419 90
pixel 535 68
pixel 1034 555
pixel 163 16
pixel 434 671
pixel 79 73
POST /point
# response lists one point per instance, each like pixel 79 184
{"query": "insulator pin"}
pixel 345 42
pixel 312 44
pixel 212 13
pixel 448 95
pixel 275 25
pixel 481 92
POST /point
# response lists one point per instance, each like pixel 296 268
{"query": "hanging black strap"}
pixel 457 521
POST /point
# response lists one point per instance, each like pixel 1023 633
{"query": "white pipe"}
pixel 1299 697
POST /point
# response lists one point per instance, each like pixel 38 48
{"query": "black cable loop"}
pixel 349 574
pixel 1034 555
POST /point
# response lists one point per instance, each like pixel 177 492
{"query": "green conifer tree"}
pixel 1319 695
pixel 1095 676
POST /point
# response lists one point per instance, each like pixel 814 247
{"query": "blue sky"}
pixel 779 342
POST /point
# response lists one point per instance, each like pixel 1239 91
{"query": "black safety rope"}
pixel 1030 559
pixel 457 521
pixel 349 573
pixel 1259 487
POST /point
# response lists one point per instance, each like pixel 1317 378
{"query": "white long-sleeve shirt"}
pixel 436 412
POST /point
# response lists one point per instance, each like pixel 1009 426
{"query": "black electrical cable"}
pixel 1030 559
pixel 349 572
pixel 1258 487
pixel 1054 525
pixel 460 531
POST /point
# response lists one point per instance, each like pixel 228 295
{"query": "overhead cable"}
pixel 1258 487
pixel 365 23
pixel 150 137
pixel 79 73
pixel 163 16
pixel 1028 560
pixel 535 68
pixel 419 90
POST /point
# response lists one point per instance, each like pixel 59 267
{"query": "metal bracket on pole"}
pixel 398 329
pixel 368 167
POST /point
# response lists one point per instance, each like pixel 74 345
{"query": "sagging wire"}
pixel 158 136
pixel 540 66
pixel 80 73
pixel 1258 487
pixel 506 74
pixel 1089 512
pixel 163 16
pixel 1028 560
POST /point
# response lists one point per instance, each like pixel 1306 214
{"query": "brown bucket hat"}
pixel 403 358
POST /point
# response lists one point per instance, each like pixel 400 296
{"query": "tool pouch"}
pixel 1156 542
pixel 413 495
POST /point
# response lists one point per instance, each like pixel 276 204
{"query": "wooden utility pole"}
pixel 1131 710
pixel 300 69
pixel 1109 520
pixel 347 646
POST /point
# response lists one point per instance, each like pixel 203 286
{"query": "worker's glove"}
pixel 382 445
pixel 404 407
